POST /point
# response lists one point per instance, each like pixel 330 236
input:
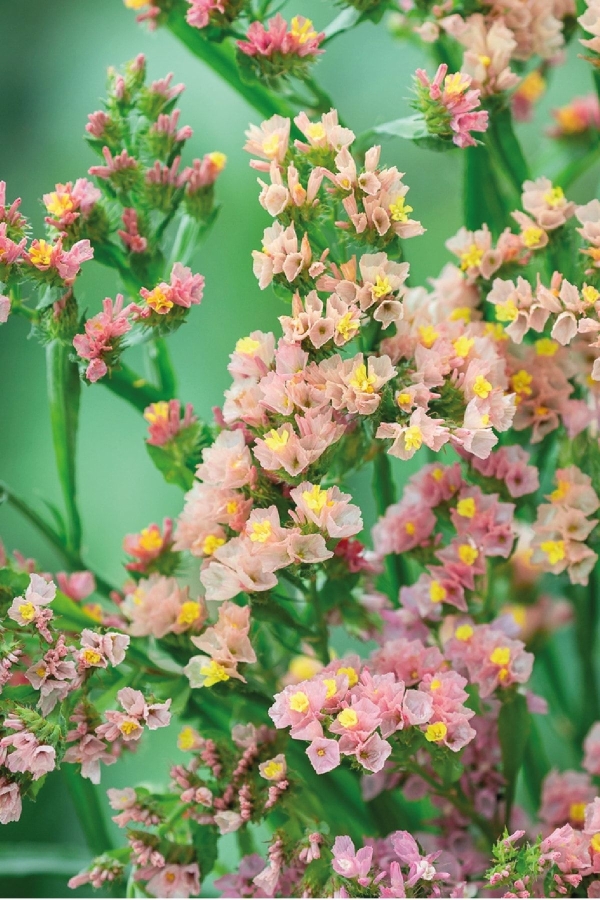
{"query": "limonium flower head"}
pixel 449 106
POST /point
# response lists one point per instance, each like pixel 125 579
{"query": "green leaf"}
pixel 514 728
pixel 205 840
pixel 410 128
pixel 346 20
pixel 173 471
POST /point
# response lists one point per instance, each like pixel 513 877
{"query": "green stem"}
pixel 64 389
pixel 128 385
pixel 507 147
pixel 384 489
pixel 72 560
pixel 586 605
pixel 89 811
pixel 160 360
pixel 483 199
pixel 462 805
pixel 221 59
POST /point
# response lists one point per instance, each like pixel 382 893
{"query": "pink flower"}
pixel 29 755
pixel 407 439
pixel 165 420
pixel 328 509
pixel 449 105
pixel 158 606
pixel 175 881
pixel 275 40
pixel 10 801
pixel 298 707
pixel 348 862
pixel 565 796
pixel 76 585
pixel 324 755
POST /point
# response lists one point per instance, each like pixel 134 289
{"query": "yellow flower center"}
pixel 304 667
pixel 299 702
pixel 350 673
pixel 413 438
pixel 189 613
pixel 428 335
pixel 554 197
pixel 273 769
pixel 158 301
pixel 435 684
pixel 41 254
pixel 403 399
pixel 482 387
pixel 437 474
pixel 128 726
pixel 362 381
pixel 461 314
pixel 577 812
pixel 532 236
pixel 347 326
pixel 92 657
pixel 437 592
pixel 316 499
pixel 157 412
pixel 213 672
pixel 466 508
pixel 261 531
pixel 187 738
pixel 331 687
pixel 276 441
pixel 506 312
pixel 554 550
pixel 435 732
pixel 27 611
pixel 595 843
pixel 347 718
pixel 455 84
pixel 471 257
pixel 382 287
pixel 590 294
pixel 463 633
pixel 546 347
pixel 532 87
pixel 561 491
pixel 270 145
pixel 218 160
pixel 315 131
pixel 500 656
pixel 463 345
pixel 59 204
pixel 150 539
pixel 467 554
pixel 521 382
pixel 247 345
pixel 302 31
pixel 399 210
pixel 410 528
pixel 211 543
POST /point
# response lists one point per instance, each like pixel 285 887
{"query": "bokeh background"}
pixel 52 71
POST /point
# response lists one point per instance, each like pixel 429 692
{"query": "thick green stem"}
pixel 64 388
pixel 586 603
pixel 128 385
pixel 483 200
pixel 507 148
pixel 221 59
pixel 160 359
pixel 384 490
pixel 89 810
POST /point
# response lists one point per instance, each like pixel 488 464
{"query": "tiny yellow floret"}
pixel 347 718
pixel 435 732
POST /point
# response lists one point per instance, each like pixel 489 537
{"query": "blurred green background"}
pixel 52 68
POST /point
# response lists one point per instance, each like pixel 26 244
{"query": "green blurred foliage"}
pixel 52 67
